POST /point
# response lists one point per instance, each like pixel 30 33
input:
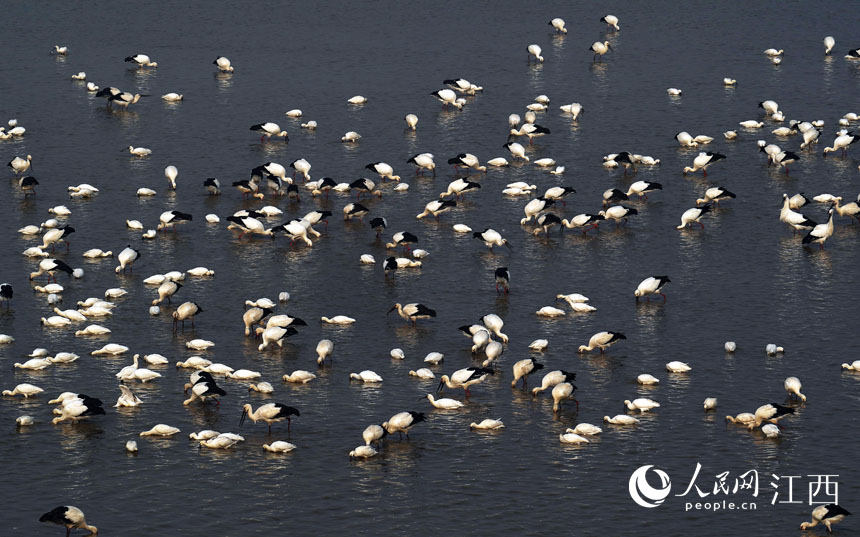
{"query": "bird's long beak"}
pixel 392 309
pixel 610 48
pixel 242 419
pixel 441 385
pixel 509 246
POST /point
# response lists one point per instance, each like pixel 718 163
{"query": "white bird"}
pixel 357 99
pixel 222 441
pixel 363 452
pixel 172 97
pixel 534 51
pixel 498 162
pixel 269 129
pixel 539 345
pixel 602 340
pixel 715 194
pixel 366 376
pixel 423 374
pixel 677 367
pixel 198 344
pixel 487 424
pixel 464 378
pixel 517 150
pixel 550 311
pixel 826 514
pixel 621 419
pixel 25 389
pixel 574 109
pixel 646 379
pixel 373 433
pixel 70 314
pixel 617 213
pixel 674 92
pixel 155 359
pixel 842 142
pixel 139 151
pixel 261 387
pixel 126 259
pixel 821 232
pixel 402 422
pixel 829 43
pixel 434 358
pixel 93 330
pixel 742 418
pixel 523 368
pixel 572 438
pixel 770 430
pixel 142 60
pixel 161 430
pixel 61 50
pixel 127 398
pixel 447 97
pixel 793 386
pixel 493 350
pixel 223 64
pixel 560 392
pixel 243 374
pixel 170 173
pixel 611 21
pixel 600 48
pixel 491 238
pixel 20 165
pixel 494 324
pixel 770 412
pixel 194 362
pixel 55 321
pixel 269 413
pixel 110 349
pixel 686 139
pixel 279 446
pixel 702 161
pixel 572 298
pixel 558 25
pixel 585 429
pixel 125 98
pixel 793 218
pixel 773 52
pixel 693 215
pixel 751 124
pixel 641 404
pixel 810 136
pixel 68 515
pixel 849 209
pixel 411 121
pixel 651 285
pixel 444 403
pixel 325 347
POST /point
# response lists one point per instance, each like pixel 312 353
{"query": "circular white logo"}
pixel 643 493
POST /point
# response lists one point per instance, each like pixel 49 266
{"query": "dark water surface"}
pixel 745 277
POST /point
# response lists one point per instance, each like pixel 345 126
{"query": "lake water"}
pixel 745 277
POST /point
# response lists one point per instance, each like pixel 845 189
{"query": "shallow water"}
pixel 745 277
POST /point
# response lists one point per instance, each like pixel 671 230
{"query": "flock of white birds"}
pixel 261 321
